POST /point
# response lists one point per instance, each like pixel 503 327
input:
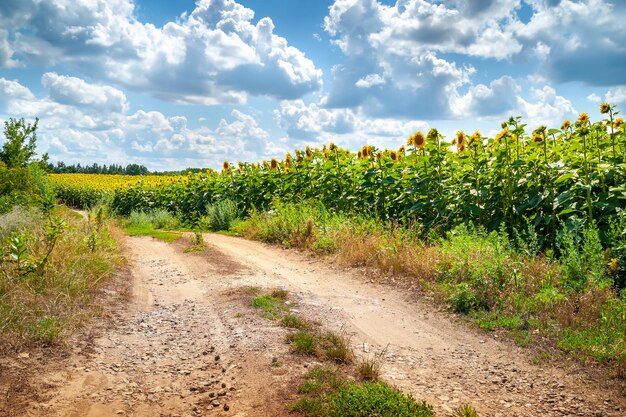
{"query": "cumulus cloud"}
pixel 616 95
pixel 311 124
pixel 80 128
pixel 76 92
pixel 213 55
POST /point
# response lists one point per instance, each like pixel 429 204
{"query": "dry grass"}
pixel 40 307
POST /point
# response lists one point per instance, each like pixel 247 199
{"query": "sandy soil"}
pixel 188 344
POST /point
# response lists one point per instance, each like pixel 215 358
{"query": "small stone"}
pixel 226 407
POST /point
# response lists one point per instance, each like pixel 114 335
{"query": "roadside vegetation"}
pixel 52 259
pixel 524 231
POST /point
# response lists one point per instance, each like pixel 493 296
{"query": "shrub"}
pixel 221 215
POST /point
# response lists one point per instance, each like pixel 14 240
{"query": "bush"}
pixel 221 215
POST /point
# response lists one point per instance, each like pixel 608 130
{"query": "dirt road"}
pixel 187 345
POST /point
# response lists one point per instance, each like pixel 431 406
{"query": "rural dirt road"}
pixel 188 344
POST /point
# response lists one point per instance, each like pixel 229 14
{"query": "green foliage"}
pixel 272 306
pixel 21 141
pixel 221 215
pixel 304 342
pixel 364 399
pixel 582 257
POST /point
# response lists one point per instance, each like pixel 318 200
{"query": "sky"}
pixel 177 84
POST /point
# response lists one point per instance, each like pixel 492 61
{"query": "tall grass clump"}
pixel 221 215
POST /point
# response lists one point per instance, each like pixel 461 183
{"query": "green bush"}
pixel 221 215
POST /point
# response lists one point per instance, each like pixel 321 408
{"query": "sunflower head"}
pixel 604 108
pixel 401 150
pixel 393 155
pixel 308 152
pixel 566 124
pixel 359 155
pixel 460 138
pixel 538 135
pixel 288 159
pixel 411 140
pixel 475 138
pixel 433 134
pixel 332 146
pixel 379 155
pixel 504 125
pixel 583 118
pixel 462 148
pixel 273 163
pixel 226 166
pixel 618 123
pixel 419 140
pixel 298 155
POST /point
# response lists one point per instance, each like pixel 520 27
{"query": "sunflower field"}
pixel 529 183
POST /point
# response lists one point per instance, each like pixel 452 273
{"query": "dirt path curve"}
pixel 428 355
pixel 187 346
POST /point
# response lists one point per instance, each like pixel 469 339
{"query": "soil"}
pixel 187 343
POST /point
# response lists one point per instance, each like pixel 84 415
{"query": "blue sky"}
pixel 176 84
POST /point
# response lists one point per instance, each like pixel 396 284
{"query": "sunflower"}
pixel 433 134
pixel 359 155
pixel 419 140
pixel 379 155
pixel 393 155
pixel 226 166
pixel 566 124
pixel 273 163
pixel 401 150
pixel 583 118
pixel 476 137
pixel 308 152
pixel 618 123
pixel 288 159
pixel 462 148
pixel 504 125
pixel 298 155
pixel 460 138
pixel 410 141
pixel 331 146
pixel 604 108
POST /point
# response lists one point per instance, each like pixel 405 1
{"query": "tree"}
pixel 21 138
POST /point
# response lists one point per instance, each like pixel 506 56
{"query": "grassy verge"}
pixel 51 265
pixel 151 224
pixel 497 281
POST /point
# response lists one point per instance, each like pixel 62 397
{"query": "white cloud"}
pixel 370 80
pixel 76 92
pixel 213 55
pixel 311 124
pixel 74 132
pixel 594 98
pixel 616 95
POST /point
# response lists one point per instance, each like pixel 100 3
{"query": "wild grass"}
pixel 63 260
pixel 152 223
pixel 330 395
pixel 221 215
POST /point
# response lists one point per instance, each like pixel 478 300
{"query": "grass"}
pixel 294 322
pixel 465 411
pixel 360 399
pixel 163 235
pixel 151 223
pixel 273 307
pixel 41 302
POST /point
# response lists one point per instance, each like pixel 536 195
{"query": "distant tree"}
pixel 21 138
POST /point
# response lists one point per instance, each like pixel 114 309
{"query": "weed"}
pixel 369 368
pixel 465 411
pixel 273 307
pixel 221 215
pixel 364 399
pixel 294 322
pixel 303 342
pixel 335 347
